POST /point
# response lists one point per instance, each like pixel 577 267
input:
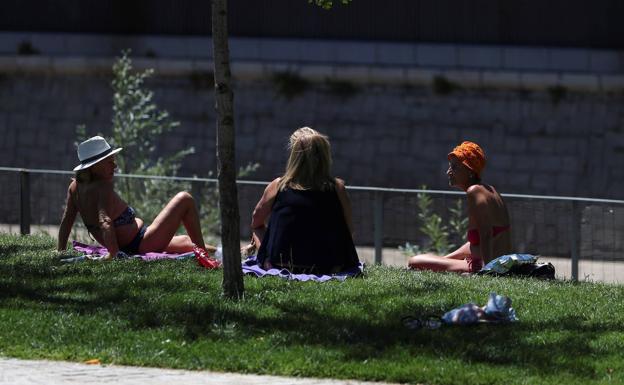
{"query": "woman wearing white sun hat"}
pixel 112 222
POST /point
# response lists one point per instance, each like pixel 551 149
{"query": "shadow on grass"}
pixel 366 327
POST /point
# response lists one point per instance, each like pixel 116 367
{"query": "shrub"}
pixel 443 86
pixel 441 237
pixel 289 84
pixel 26 48
pixel 557 93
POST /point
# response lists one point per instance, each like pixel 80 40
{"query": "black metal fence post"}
pixel 24 202
pixel 575 242
pixel 378 226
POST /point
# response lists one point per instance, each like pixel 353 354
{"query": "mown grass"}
pixel 171 314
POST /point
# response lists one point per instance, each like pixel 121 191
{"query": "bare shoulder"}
pixel 341 190
pixel 270 190
pixel 72 187
pixel 478 193
pixel 476 189
pixel 272 187
pixel 340 184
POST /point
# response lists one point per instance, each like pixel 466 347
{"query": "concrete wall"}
pixel 547 129
pixel 544 133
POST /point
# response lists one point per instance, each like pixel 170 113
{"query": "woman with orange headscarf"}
pixel 489 233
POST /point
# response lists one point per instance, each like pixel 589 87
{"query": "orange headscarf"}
pixel 471 156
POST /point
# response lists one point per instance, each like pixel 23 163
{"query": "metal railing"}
pixel 570 228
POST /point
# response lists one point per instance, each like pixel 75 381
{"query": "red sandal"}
pixel 203 257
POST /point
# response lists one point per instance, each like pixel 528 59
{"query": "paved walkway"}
pixel 21 372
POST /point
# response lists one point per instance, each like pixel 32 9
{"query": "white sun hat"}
pixel 92 151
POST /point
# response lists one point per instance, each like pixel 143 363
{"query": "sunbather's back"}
pixel 307 232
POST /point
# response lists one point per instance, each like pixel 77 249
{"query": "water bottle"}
pixel 218 255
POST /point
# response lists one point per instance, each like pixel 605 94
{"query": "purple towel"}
pixel 251 266
pixel 93 250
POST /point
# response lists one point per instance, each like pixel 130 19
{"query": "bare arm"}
pixel 262 212
pixel 345 202
pixel 67 221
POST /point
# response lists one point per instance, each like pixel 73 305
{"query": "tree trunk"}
pixel 228 196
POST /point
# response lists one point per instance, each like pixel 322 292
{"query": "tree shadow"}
pixel 372 330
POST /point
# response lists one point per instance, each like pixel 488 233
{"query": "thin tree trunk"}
pixel 228 196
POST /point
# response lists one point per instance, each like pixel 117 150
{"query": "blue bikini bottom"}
pixel 132 247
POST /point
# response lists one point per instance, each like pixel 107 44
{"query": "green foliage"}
pixel 458 222
pixel 209 213
pixel 137 125
pixel 432 226
pixel 443 86
pixel 25 48
pixel 289 84
pixel 327 4
pixel 557 93
pixel 137 122
pixel 170 314
pixel 410 249
pixel 441 237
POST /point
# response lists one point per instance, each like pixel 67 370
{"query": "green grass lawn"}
pixel 171 314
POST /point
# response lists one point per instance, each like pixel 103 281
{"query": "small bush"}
pixel 289 84
pixel 441 237
pixel 557 93
pixel 327 4
pixel 26 48
pixel 442 86
pixel 432 226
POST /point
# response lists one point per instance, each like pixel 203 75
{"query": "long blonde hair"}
pixel 309 163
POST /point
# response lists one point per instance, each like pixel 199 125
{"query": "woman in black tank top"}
pixel 303 220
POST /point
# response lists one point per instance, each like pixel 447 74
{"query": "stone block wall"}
pixel 388 127
pixel 393 135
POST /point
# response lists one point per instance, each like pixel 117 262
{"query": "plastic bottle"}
pixel 218 255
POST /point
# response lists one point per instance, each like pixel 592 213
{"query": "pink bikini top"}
pixel 475 239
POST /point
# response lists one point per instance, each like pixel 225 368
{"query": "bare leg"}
pixel 183 244
pixel 180 210
pixel 437 263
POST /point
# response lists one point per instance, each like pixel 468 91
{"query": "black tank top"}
pixel 307 232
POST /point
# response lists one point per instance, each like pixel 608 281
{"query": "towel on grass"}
pixel 251 267
pixel 96 252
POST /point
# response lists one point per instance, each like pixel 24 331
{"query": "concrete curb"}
pixel 18 372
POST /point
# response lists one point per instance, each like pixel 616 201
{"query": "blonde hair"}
pixel 309 163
